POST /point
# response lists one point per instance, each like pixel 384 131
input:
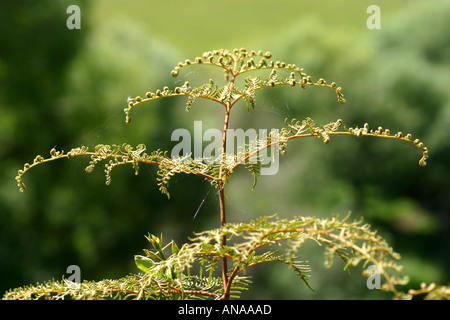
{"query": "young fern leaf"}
pixel 251 84
pixel 385 133
pixel 168 276
pixel 352 241
pixel 255 170
pixel 125 154
pixel 240 61
pixel 206 91
pixel 301 269
pixel 165 276
pixel 54 155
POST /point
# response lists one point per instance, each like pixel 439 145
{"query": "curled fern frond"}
pixel 385 133
pixel 225 60
pixel 207 91
pixel 235 63
pixel 307 128
pixel 125 154
pixel 297 130
pixel 54 155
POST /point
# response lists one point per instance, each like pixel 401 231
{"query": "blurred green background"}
pixel 65 88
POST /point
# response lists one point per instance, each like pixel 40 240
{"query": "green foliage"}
pixel 235 63
pixel 168 167
pixel 246 244
pixel 168 276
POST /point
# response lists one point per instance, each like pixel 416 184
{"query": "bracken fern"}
pixel 268 239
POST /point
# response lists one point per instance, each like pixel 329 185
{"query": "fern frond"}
pixel 307 128
pixel 54 155
pixel 431 292
pixel 168 167
pixel 206 91
pixel 385 133
pixel 125 288
pixel 125 154
pixel 353 241
pixel 255 170
pixel 132 287
pixel 251 84
pixel 298 131
pixel 220 58
pixel 168 276
pixel 239 61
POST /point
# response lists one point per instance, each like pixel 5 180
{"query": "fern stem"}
pixel 228 105
pixel 220 185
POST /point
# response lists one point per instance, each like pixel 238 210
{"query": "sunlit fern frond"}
pixel 116 155
pixel 169 275
pixel 132 287
pixel 251 83
pixel 124 154
pixel 431 291
pixel 235 63
pixel 307 128
pixel 385 133
pixel 255 170
pixel 353 241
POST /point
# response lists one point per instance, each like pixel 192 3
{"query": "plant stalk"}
pixel 228 105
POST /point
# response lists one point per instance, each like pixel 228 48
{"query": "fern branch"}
pixel 125 154
pixel 234 63
pixel 165 275
pixel 206 91
pixel 431 292
pixel 339 235
pixel 296 130
pixel 132 287
pixel 275 81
